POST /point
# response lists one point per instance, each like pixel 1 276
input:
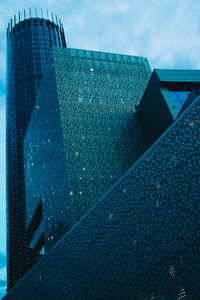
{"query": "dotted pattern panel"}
pixel 102 138
pixel 140 241
pixel 76 149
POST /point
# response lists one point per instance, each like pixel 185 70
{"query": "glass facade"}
pixel 179 97
pixel 29 44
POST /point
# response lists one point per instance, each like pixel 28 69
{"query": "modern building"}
pixel 29 44
pixel 141 239
pixel 164 97
pixel 114 219
pixel 82 137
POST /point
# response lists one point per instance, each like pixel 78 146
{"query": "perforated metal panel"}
pixel 141 239
pixel 83 135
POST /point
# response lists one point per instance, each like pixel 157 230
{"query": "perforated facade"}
pixel 140 241
pixel 83 135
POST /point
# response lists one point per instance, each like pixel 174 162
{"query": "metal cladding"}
pixel 85 122
pixel 141 240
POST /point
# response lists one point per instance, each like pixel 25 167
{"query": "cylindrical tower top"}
pixel 34 17
pixel 33 13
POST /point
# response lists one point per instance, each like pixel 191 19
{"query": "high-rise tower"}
pixel 29 43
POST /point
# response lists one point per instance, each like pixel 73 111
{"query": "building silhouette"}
pixel 104 216
pixel 29 44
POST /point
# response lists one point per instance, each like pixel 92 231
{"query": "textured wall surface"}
pixel 83 134
pixel 97 93
pixel 140 241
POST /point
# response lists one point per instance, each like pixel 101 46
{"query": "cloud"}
pixel 2 264
pixel 3 273
pixel 2 291
pixel 166 32
pixel 113 7
pixel 3 283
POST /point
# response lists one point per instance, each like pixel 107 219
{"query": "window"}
pixel 179 98
pixel 42 251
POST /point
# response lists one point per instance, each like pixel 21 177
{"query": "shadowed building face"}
pixel 164 99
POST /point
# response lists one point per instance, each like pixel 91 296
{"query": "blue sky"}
pixel 166 32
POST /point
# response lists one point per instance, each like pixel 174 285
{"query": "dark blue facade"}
pixel 164 99
pixel 83 135
pixel 70 138
pixel 140 241
pixel 29 44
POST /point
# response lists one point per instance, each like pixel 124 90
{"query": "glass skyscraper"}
pixel 29 44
